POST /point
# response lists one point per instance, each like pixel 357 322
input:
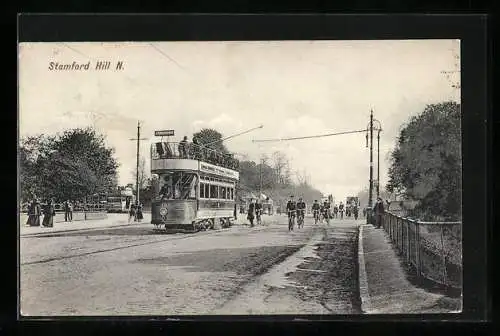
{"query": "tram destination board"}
pixel 164 133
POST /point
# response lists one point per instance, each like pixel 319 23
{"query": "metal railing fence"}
pixel 433 249
pixel 178 150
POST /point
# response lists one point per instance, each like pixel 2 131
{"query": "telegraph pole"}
pixel 138 139
pixel 370 201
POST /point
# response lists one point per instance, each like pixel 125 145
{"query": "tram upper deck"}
pixel 163 155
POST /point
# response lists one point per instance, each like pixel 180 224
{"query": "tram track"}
pixel 116 248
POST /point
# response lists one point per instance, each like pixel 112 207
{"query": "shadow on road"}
pixel 118 231
pixel 253 260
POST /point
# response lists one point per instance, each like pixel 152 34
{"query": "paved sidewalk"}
pixel 384 287
pixel 112 220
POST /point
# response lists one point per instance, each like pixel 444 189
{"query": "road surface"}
pixel 241 270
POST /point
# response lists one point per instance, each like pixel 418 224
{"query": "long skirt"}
pixel 33 220
pixel 139 215
pixel 48 221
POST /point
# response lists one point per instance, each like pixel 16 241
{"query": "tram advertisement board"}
pixel 209 168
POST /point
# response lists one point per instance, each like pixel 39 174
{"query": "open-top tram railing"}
pixel 179 150
pixel 433 249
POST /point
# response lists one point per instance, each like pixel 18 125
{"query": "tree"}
pixel 279 188
pixel 31 150
pixel 210 138
pixel 281 166
pixel 426 163
pixel 72 165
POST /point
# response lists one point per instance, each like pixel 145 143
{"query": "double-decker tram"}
pixel 194 187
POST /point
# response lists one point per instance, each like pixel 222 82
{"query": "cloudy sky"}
pixel 292 88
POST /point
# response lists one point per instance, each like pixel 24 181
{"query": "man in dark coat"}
pixel 251 212
pixel 183 148
pixel 68 216
pixel 378 209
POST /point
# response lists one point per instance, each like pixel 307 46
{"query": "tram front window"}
pixel 178 185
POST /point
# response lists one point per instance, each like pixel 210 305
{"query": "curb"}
pixel 41 234
pixel 366 306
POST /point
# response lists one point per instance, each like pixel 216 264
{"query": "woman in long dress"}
pixel 139 212
pixel 31 214
pixel 48 214
pixel 132 212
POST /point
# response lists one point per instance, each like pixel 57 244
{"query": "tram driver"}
pixel 166 190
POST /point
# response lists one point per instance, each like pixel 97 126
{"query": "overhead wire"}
pixel 310 136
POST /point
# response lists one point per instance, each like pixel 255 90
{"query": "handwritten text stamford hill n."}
pixel 98 65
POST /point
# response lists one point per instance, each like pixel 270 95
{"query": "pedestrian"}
pixel 139 212
pixel 66 211
pixel 251 212
pixel 48 214
pixel 132 212
pixel 378 209
pixel 34 212
pixel 31 208
pixel 70 210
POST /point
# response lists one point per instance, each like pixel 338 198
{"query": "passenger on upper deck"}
pixel 183 148
pixel 195 151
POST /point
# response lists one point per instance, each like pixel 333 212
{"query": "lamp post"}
pixel 260 177
pixel 369 139
pixel 378 161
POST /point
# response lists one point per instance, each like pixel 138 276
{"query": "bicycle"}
pixel 291 220
pixel 300 220
pixel 316 216
pixel 327 217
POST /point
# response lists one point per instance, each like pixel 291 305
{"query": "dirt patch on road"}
pixel 245 263
pixel 332 278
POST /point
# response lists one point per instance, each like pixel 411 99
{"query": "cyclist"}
pixel 291 208
pixel 258 212
pixel 355 211
pixel 301 212
pixel 326 209
pixel 316 209
pixel 335 210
